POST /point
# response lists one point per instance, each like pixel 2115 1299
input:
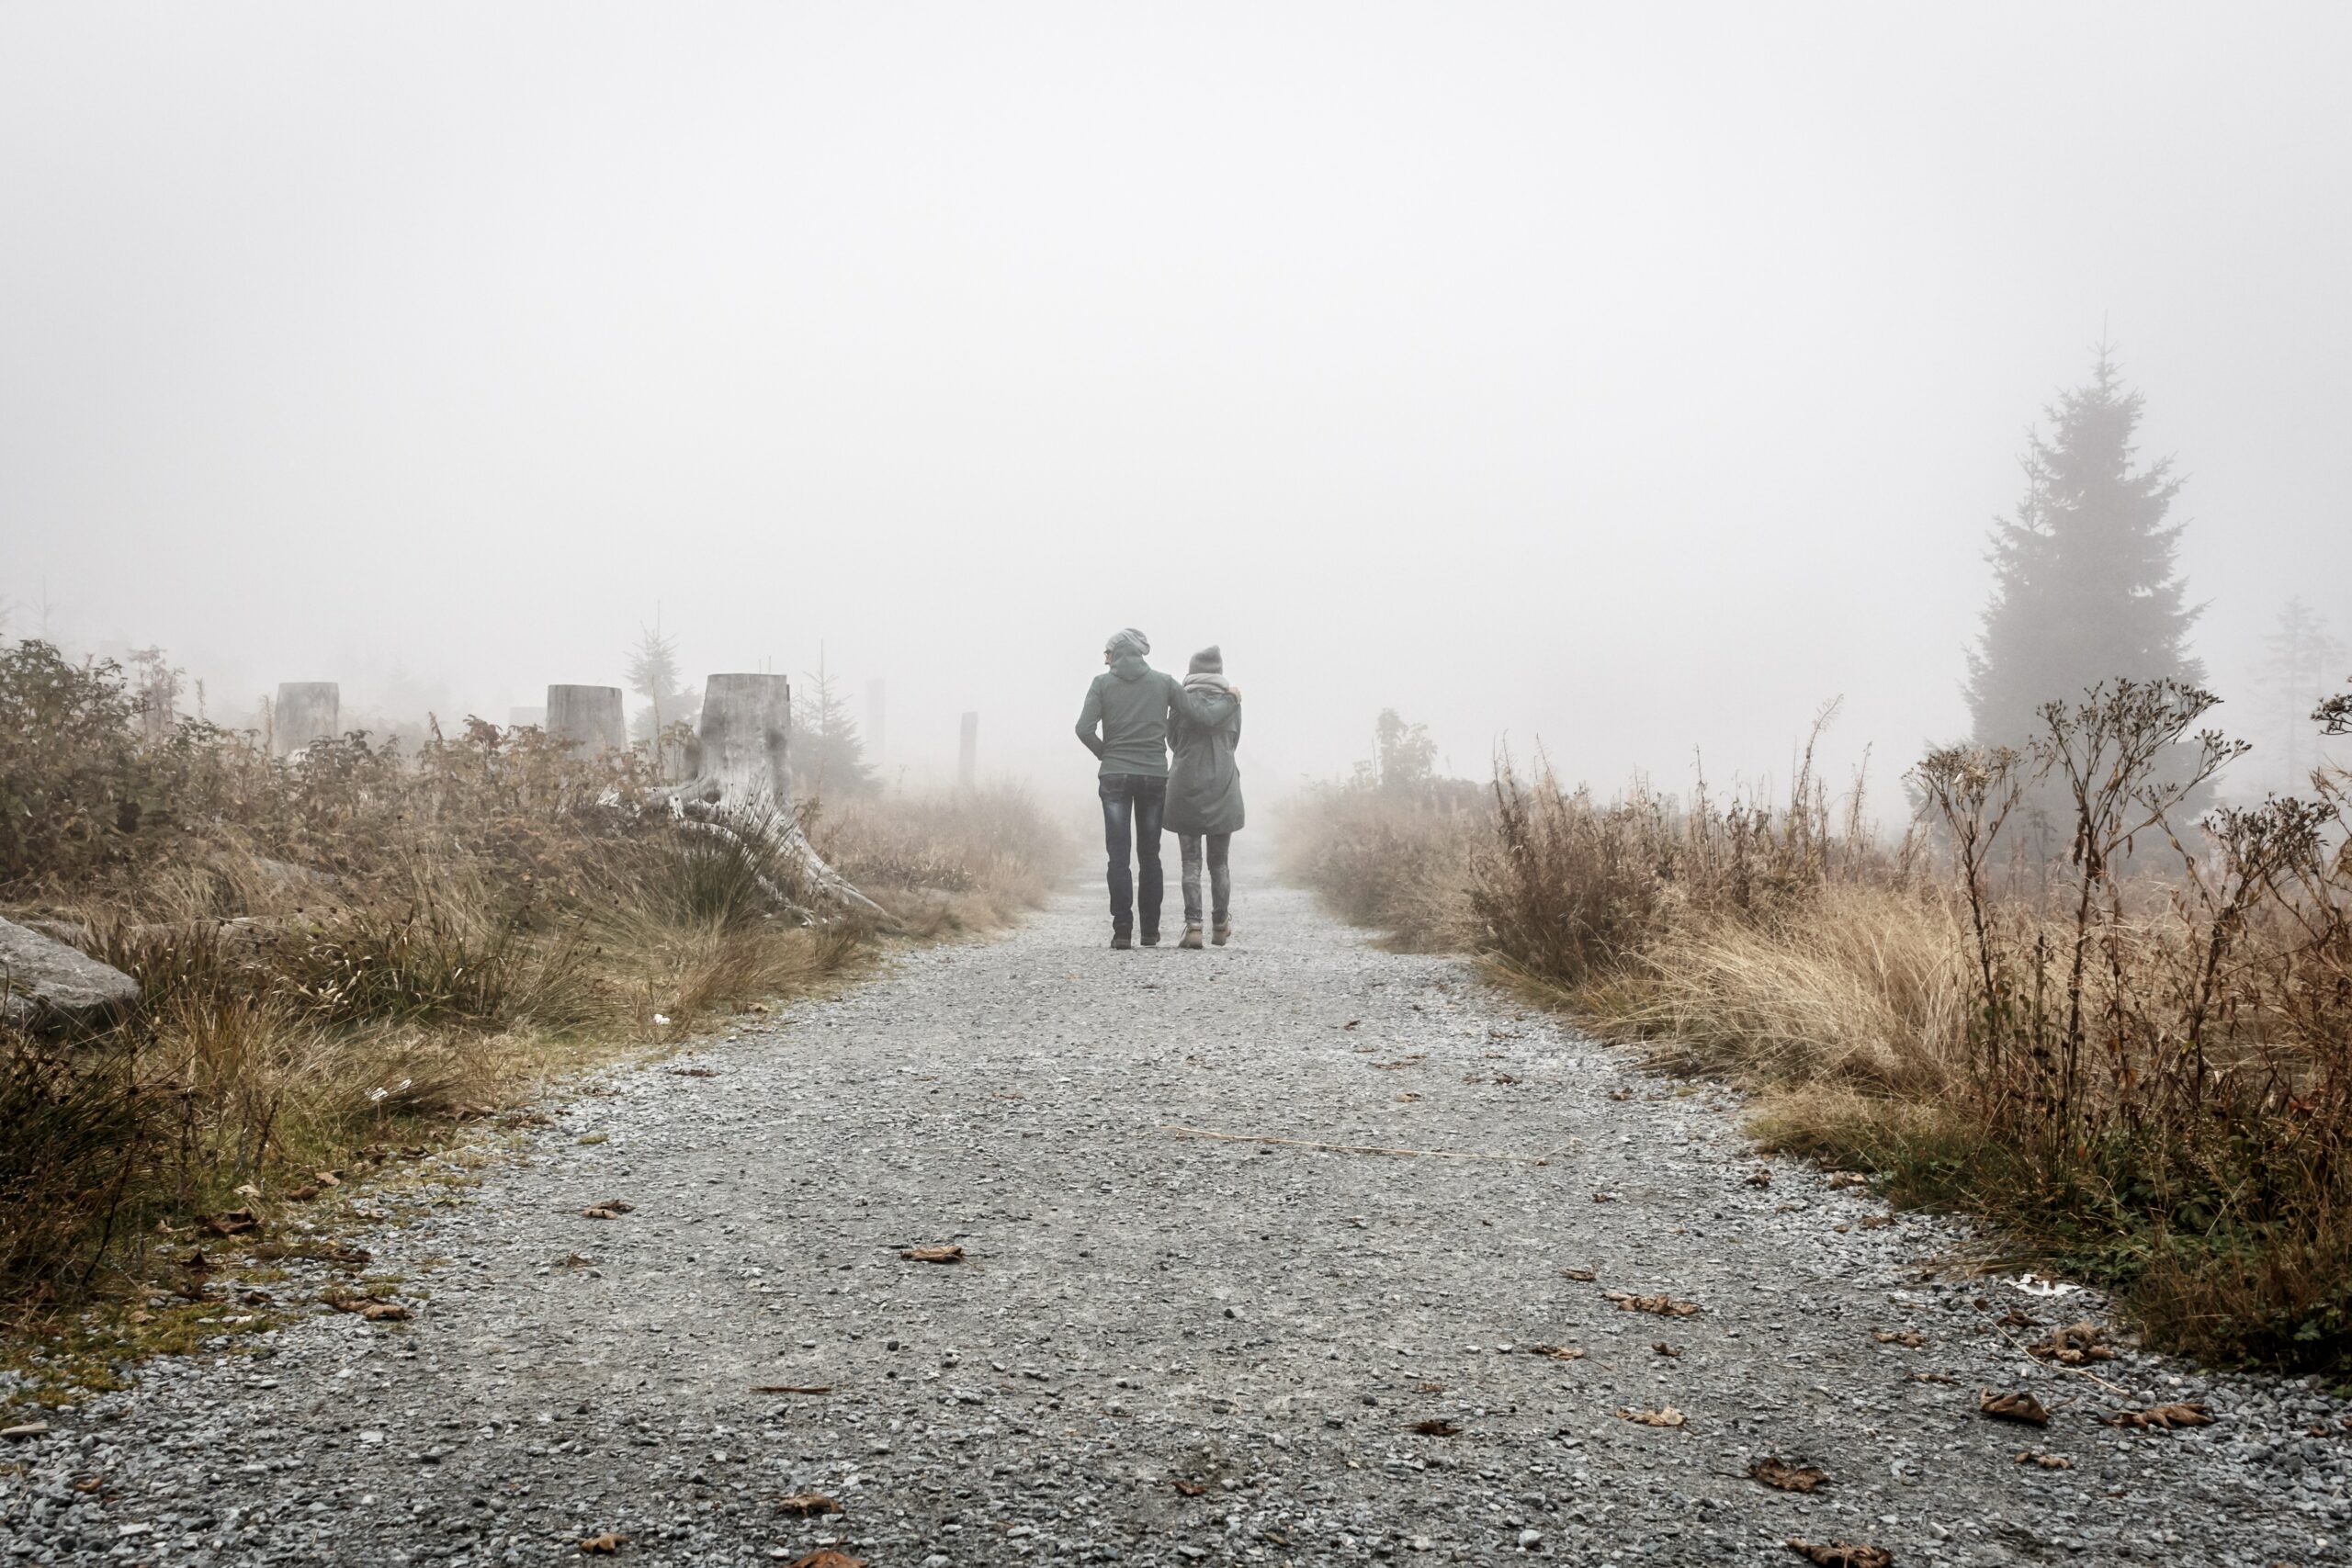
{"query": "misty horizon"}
pixel 1628 385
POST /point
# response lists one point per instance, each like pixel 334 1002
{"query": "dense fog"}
pixel 1630 380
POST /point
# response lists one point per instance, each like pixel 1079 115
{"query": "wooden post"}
pixel 306 711
pixel 967 758
pixel 587 717
pixel 747 737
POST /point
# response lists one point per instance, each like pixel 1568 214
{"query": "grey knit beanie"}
pixel 1125 641
pixel 1210 661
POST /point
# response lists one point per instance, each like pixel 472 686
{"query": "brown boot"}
pixel 1121 941
pixel 1224 933
pixel 1192 938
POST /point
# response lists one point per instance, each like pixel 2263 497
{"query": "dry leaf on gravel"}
pixel 1760 1177
pixel 793 1388
pixel 610 1209
pixel 1670 1352
pixel 1877 1222
pixel 603 1545
pixel 1603 1198
pixel 373 1311
pixel 1436 1427
pixel 1557 1352
pixel 1188 1488
pixel 826 1557
pixel 1585 1274
pixel 2164 1417
pixel 1910 1338
pixel 196 1263
pixel 1838 1179
pixel 1779 1474
pixel 1842 1553
pixel 693 1072
pixel 2017 1406
pixel 1670 1416
pixel 235 1222
pixel 947 1254
pixel 1933 1377
pixel 1409 1098
pixel 2018 1318
pixel 2073 1345
pixel 808 1504
pixel 1664 1306
pixel 303 1194
pixel 2047 1461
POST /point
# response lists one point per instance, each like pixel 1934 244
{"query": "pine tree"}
pixel 828 754
pixel 653 675
pixel 2302 667
pixel 2085 586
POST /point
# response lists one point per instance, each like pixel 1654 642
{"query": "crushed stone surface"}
pixel 1160 1346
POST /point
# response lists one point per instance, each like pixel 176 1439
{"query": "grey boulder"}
pixel 48 983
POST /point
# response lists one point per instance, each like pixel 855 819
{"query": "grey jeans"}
pixel 1220 876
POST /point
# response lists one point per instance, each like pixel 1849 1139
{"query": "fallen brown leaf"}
pixel 1877 1222
pixel 1760 1177
pixel 2073 1345
pixel 2018 1318
pixel 1670 1416
pixel 809 1505
pixel 1603 1198
pixel 2164 1417
pixel 354 1255
pixel 792 1388
pixel 1838 1179
pixel 1933 1377
pixel 1910 1338
pixel 1786 1477
pixel 1664 1306
pixel 610 1209
pixel 1578 1273
pixel 2017 1407
pixel 1669 1351
pixel 603 1545
pixel 1407 1098
pixel 2047 1461
pixel 1621 1094
pixel 1559 1352
pixel 693 1072
pixel 1193 1488
pixel 826 1557
pixel 235 1222
pixel 1436 1427
pixel 1842 1553
pixel 89 1483
pixel 950 1253
pixel 303 1194
pixel 196 1263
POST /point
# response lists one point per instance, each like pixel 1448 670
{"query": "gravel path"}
pixel 1162 1349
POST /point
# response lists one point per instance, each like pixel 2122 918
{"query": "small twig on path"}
pixel 2060 1366
pixel 1351 1148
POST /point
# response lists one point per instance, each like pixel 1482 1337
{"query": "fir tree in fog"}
pixel 653 675
pixel 2302 665
pixel 2085 585
pixel 829 759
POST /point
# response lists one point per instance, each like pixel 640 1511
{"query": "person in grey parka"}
pixel 1205 789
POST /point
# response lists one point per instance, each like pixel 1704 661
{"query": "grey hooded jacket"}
pixel 1129 703
pixel 1204 786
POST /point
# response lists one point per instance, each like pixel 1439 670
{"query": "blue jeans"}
pixel 1133 802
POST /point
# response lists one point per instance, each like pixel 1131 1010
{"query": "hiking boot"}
pixel 1151 939
pixel 1192 938
pixel 1121 941
pixel 1223 934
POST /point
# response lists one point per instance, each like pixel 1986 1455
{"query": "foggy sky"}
pixel 1629 377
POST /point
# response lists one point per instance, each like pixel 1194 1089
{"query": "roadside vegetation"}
pixel 350 953
pixel 2068 998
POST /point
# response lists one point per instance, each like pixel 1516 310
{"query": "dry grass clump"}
pixel 355 948
pixel 968 861
pixel 1389 858
pixel 2135 1053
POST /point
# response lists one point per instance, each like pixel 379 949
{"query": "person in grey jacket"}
pixel 1124 723
pixel 1205 789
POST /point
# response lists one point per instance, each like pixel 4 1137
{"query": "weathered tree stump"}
pixel 587 717
pixel 305 711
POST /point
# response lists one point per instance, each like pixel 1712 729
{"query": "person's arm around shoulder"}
pixel 1090 719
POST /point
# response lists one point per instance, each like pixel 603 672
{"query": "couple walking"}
pixel 1133 717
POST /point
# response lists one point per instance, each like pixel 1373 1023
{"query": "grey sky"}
pixel 1630 376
